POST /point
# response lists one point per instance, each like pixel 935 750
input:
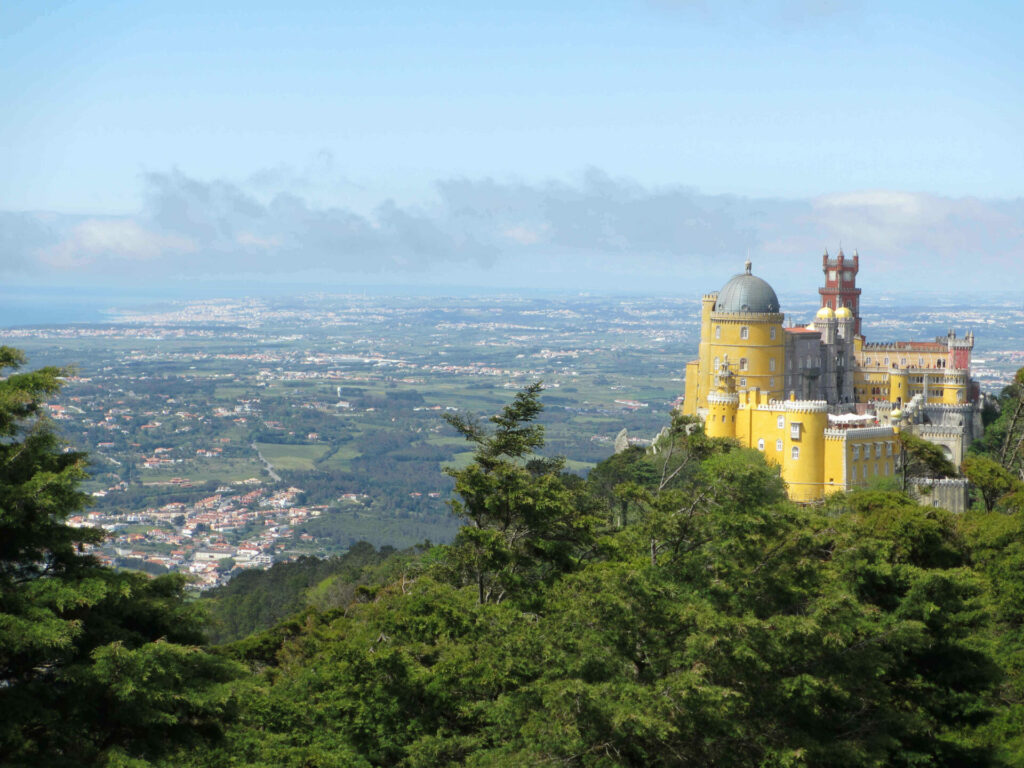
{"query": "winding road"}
pixel 270 467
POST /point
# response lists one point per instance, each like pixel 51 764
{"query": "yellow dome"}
pixel 844 313
pixel 825 313
pixel 896 414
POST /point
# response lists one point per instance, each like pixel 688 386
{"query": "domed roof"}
pixel 747 293
pixel 896 414
pixel 825 313
pixel 844 313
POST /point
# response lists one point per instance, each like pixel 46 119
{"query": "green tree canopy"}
pixel 95 665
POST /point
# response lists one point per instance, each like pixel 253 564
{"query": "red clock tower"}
pixel 840 289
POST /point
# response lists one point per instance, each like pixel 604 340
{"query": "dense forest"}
pixel 672 608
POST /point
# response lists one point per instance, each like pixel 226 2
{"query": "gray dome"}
pixel 747 293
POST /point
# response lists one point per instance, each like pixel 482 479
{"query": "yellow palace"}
pixel 818 400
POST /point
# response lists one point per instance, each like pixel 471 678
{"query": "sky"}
pixel 646 146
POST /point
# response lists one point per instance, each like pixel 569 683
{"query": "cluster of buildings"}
pixel 819 400
pixel 243 529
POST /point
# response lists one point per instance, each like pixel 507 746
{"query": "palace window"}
pixel 744 332
pixel 780 422
pixel 794 430
pixel 856 452
pixel 772 333
pixel 743 382
pixel 760 444
pixel 778 445
pixel 743 363
pixel 718 331
pixel 716 364
pixel 771 364
pixel 796 452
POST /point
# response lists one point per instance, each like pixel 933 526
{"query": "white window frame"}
pixel 744 332
pixel 780 422
pixel 795 453
pixel 795 428
pixel 760 444
pixel 778 445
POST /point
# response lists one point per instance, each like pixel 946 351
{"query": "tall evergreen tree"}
pixel 96 666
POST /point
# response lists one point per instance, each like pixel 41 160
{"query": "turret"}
pixel 723 403
pixel 721 418
pixel 954 387
pixel 804 448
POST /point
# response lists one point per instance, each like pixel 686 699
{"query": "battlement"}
pixel 840 260
pixel 948 407
pixel 865 433
pixel 905 346
pixel 805 406
pixel 723 398
pixel 747 317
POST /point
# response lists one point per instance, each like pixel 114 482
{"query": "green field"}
pixel 341 458
pixel 461 460
pixel 301 457
pixel 201 471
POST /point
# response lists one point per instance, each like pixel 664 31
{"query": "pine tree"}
pixel 95 665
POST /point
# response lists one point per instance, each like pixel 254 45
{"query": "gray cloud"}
pixel 595 228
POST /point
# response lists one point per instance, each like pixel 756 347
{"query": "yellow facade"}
pixel 814 460
pixel 954 387
pixel 897 373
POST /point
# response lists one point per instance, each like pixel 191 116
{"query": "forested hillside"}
pixel 673 608
pixel 255 600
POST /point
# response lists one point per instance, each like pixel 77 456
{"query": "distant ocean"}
pixel 21 305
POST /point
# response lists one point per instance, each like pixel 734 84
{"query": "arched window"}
pixel 744 332
pixel 743 363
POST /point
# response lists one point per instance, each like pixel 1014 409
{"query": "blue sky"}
pixel 589 145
